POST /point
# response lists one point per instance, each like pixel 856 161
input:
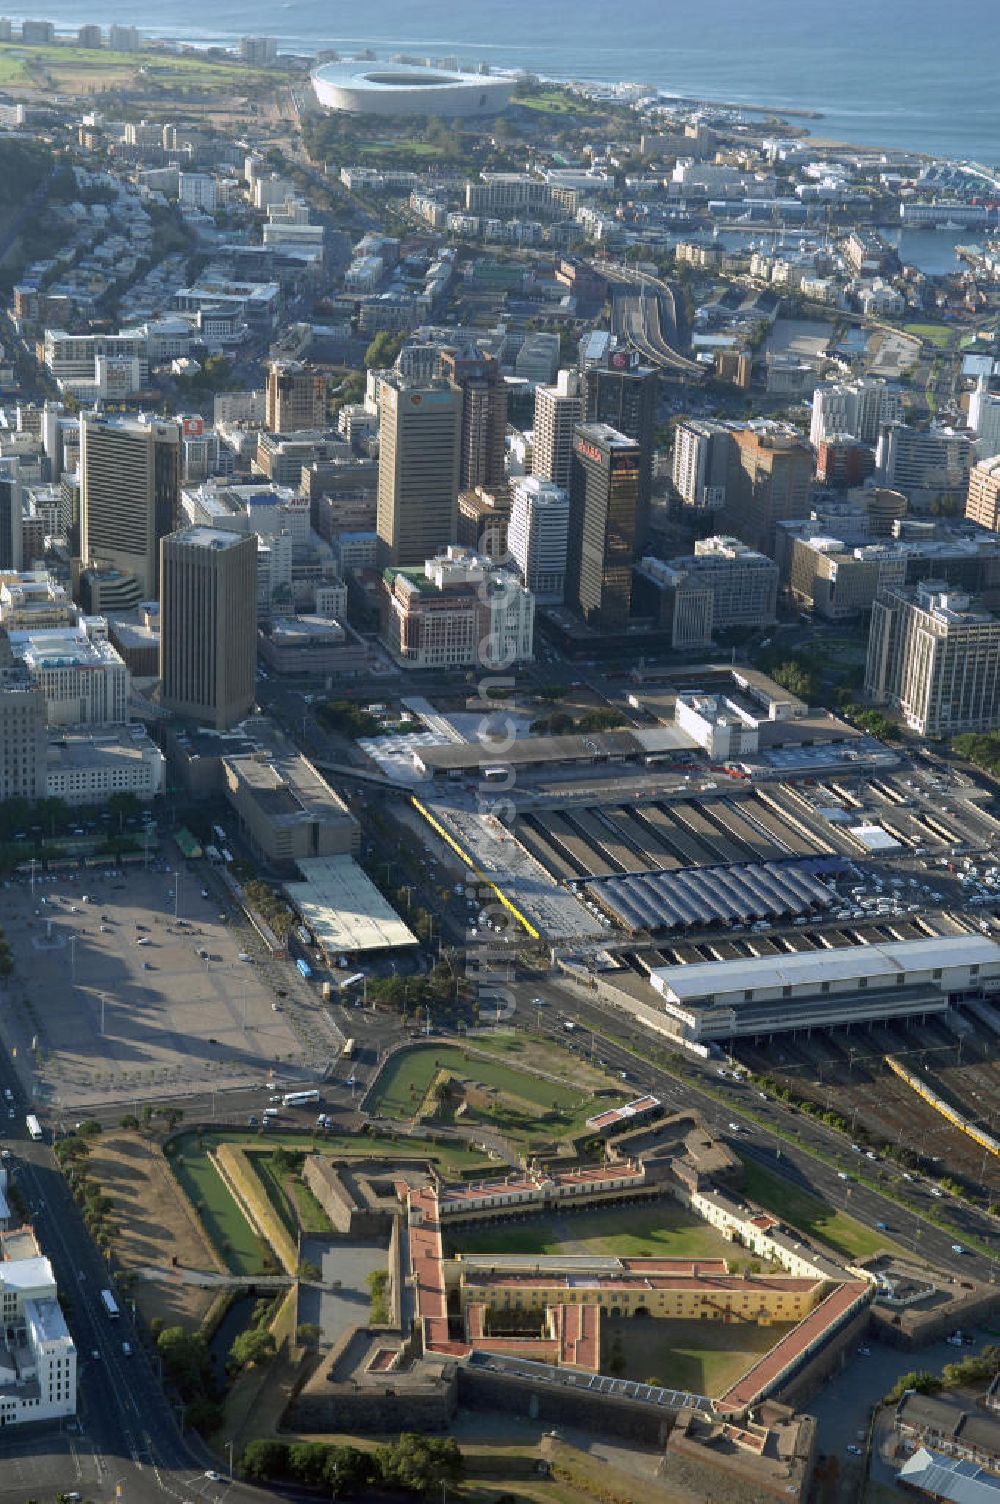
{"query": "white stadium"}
pixel 367 88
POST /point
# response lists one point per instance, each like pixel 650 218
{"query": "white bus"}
pixel 347 1053
pixel 351 981
pixel 299 1098
pixel 34 1126
pixel 110 1304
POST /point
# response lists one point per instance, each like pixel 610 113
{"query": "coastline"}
pixel 307 51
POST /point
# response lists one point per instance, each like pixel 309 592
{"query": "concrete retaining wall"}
pixel 478 1389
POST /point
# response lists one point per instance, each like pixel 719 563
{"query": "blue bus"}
pixel 304 967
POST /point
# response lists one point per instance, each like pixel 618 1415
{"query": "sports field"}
pixel 937 335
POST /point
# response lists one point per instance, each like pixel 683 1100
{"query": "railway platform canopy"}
pixel 773 994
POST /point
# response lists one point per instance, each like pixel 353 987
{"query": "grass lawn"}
pixel 937 335
pixel 294 1202
pixel 844 1234
pixel 549 102
pixel 220 1216
pixel 160 67
pixel 404 1083
pixel 222 1219
pixel 395 149
pixel 662 1229
pixel 544 1055
pixel 12 69
pixel 705 1357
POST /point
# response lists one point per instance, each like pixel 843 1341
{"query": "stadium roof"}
pixel 344 909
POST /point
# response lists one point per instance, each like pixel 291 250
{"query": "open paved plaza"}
pixel 121 994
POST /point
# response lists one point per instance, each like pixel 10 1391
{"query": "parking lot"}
pixel 117 994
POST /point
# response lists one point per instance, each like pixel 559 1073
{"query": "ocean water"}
pixel 903 73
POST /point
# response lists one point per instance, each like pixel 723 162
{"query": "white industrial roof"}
pixel 875 838
pixel 343 907
pixel 877 962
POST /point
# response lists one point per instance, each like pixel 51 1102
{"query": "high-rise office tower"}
pixel 484 416
pixel 538 537
pixel 23 720
pixel 769 479
pixel 129 493
pixel 603 515
pixel 11 528
pixel 295 397
pixel 558 409
pixel 208 624
pixel 419 454
pixel 624 397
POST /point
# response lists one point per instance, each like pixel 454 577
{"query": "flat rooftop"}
pixel 283 784
pixel 344 909
pixel 592 747
pixel 26 1274
pixel 62 647
pixel 879 963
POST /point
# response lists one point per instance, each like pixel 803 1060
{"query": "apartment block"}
pixel 859 408
pixel 983 501
pixel 769 479
pixel 295 397
pixel 558 409
pixel 701 462
pixel 538 537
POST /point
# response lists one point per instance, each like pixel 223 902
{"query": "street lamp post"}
pixel 229 1449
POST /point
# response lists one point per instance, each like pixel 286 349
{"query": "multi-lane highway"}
pixel 782 1139
pixel 127 1443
